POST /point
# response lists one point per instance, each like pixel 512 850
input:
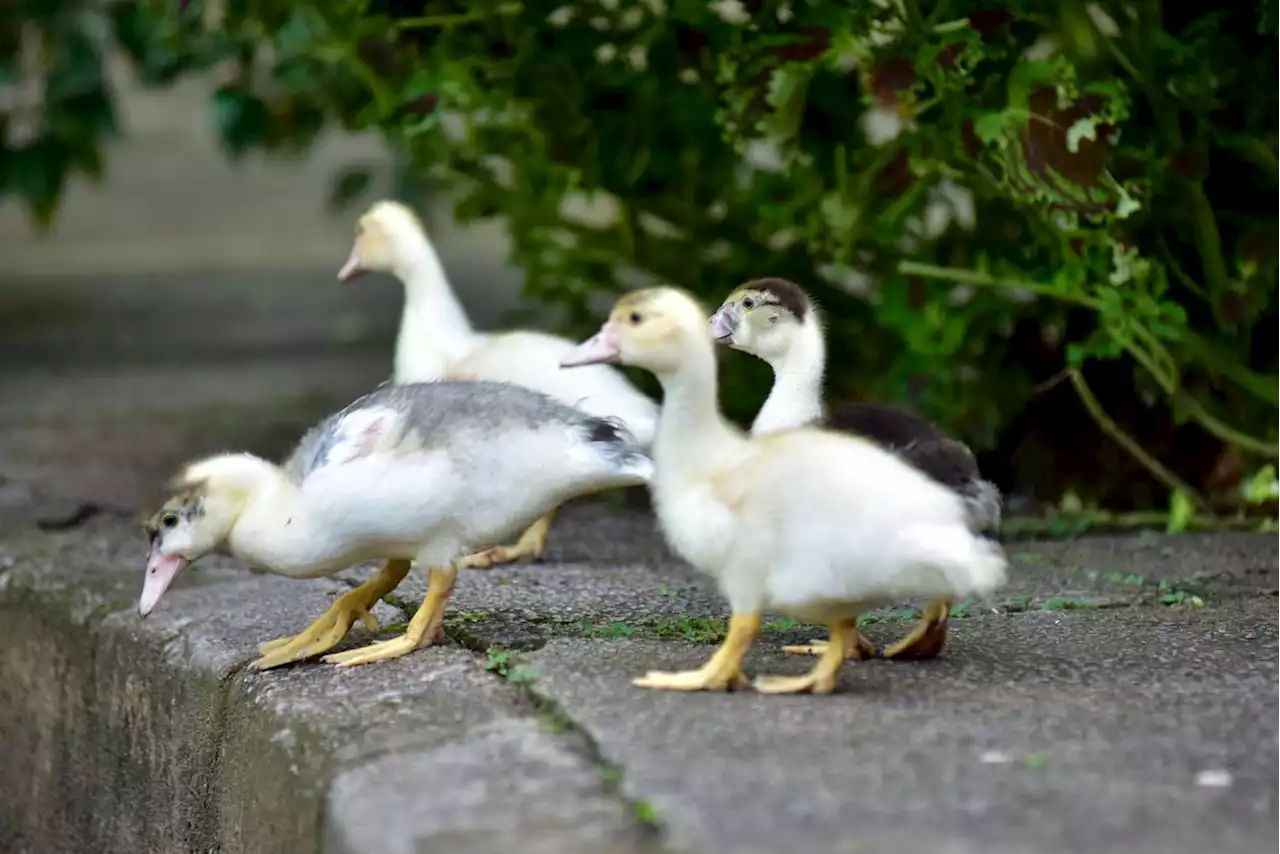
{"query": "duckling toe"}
pixel 692 680
pixel 813 647
pixel 857 648
pixel 268 646
pixel 927 639
pixel 527 549
pixel 380 651
pixel 811 683
pixel 319 637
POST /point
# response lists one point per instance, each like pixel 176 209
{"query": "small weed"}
pixel 469 616
pixel 781 624
pixel 1037 761
pixel 1021 602
pixel 693 629
pixel 1062 603
pixel 1028 557
pixel 904 616
pixel 500 659
pixel 393 628
pixel 664 590
pixel 616 629
pixel 645 812
pixel 961 610
pixel 1129 578
pixel 506 663
pixel 1176 597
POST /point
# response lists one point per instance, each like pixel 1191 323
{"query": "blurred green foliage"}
pixel 984 197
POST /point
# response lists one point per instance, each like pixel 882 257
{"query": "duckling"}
pixel 436 341
pixel 776 321
pixel 419 472
pixel 813 523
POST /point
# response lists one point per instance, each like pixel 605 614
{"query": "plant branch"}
pixel 1022 525
pixel 1223 431
pixel 986 280
pixel 432 21
pixel 1112 429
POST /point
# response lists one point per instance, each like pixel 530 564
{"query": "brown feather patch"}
pixel 784 293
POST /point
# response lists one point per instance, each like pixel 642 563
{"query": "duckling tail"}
pixel 617 444
pixel 983 504
pixel 972 565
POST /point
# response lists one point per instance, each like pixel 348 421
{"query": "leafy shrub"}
pixel 985 199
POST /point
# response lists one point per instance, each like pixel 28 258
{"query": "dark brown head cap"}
pixel 784 293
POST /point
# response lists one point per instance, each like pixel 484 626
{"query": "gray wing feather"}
pixel 439 411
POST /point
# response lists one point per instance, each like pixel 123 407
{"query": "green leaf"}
pixel 1181 512
pixel 1262 486
pixel 1027 76
pixel 350 184
pixel 38 173
pixel 241 120
pixel 993 128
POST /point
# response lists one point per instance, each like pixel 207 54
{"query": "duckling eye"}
pixel 635 318
pixel 748 302
pixel 169 520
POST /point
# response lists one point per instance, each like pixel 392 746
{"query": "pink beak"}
pixel 723 324
pixel 352 268
pixel 601 348
pixel 162 569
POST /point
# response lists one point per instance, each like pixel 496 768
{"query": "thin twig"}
pixel 1019 525
pixel 1112 429
pixel 981 279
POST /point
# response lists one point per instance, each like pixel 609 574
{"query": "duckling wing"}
pixel 891 426
pixel 532 360
pixel 947 461
pixel 463 418
pixel 830 519
pixel 953 465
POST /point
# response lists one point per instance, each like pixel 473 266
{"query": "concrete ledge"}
pixel 149 736
pixel 1086 720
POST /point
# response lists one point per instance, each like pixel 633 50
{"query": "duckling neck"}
pixel 692 434
pixel 279 532
pixel 796 397
pixel 434 329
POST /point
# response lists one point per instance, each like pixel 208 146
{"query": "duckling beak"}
pixel 724 323
pixel 601 348
pixel 352 268
pixel 162 569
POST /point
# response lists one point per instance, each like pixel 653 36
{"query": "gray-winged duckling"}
pixel 776 321
pixel 437 342
pixel 817 524
pixel 422 472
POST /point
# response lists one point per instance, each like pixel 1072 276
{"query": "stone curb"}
pixel 151 736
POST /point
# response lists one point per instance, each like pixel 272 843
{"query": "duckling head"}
pixel 386 234
pixel 657 329
pixel 205 500
pixel 763 317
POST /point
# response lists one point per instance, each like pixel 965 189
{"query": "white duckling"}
pixel 420 472
pixel 776 321
pixel 819 525
pixel 436 341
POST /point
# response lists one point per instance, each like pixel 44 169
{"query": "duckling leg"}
pixel 928 637
pixel 425 628
pixel 723 672
pixel 822 678
pixel 327 631
pixel 856 647
pixel 528 548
